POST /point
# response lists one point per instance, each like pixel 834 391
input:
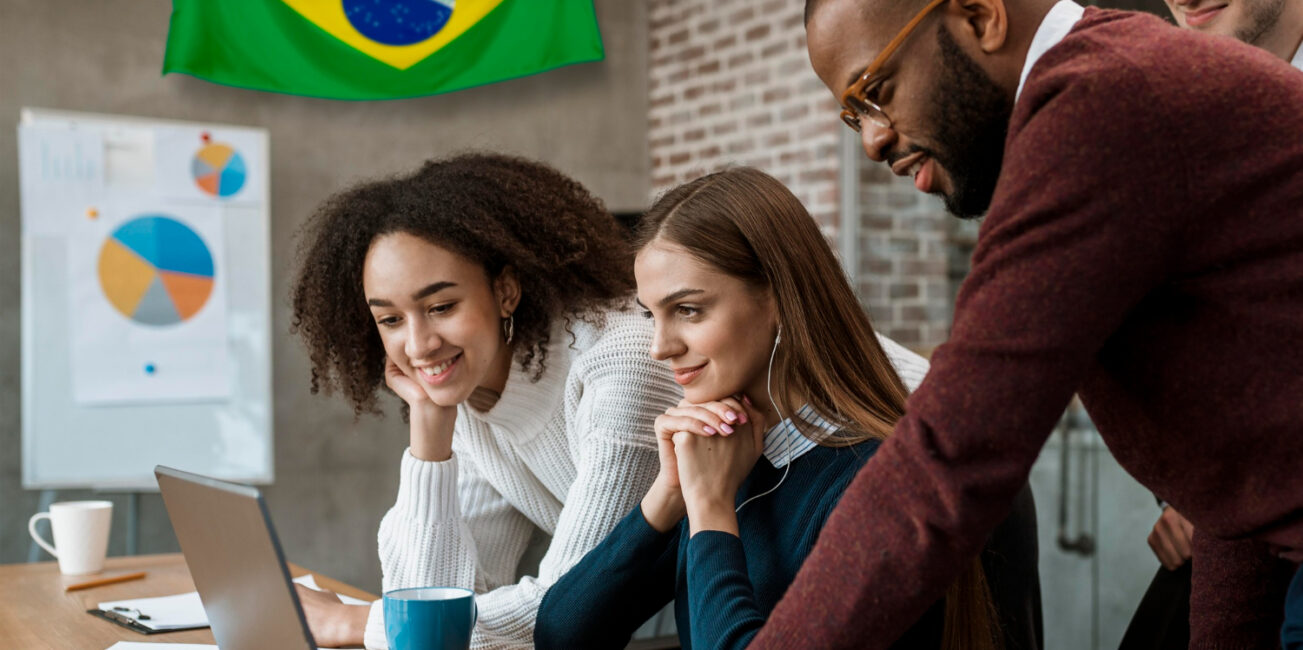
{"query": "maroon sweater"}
pixel 1144 248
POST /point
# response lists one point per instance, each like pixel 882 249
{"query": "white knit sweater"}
pixel 570 454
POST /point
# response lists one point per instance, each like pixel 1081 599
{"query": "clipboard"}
pixel 134 625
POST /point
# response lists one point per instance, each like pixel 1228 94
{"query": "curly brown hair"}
pixel 567 251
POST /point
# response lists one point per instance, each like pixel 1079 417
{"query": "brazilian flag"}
pixel 376 49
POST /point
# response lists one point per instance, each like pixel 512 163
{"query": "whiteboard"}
pixel 207 406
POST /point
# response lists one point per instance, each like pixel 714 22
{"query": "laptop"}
pixel 236 562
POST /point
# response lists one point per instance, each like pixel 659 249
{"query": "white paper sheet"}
pixel 187 610
pixel 311 583
pixel 142 328
pixel 129 158
pixel 181 611
pixel 56 157
pixel 227 168
pixel 60 171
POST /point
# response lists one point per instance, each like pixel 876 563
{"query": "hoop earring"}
pixel 509 327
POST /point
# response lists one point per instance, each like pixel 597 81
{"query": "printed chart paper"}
pixel 210 167
pixel 56 164
pixel 147 307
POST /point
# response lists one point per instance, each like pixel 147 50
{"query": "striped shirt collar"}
pixel 784 442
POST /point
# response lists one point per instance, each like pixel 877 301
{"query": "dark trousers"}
pixel 1291 633
pixel 1162 620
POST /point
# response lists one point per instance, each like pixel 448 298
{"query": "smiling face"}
pixel 1246 20
pixel 715 331
pixel 948 116
pixel 439 316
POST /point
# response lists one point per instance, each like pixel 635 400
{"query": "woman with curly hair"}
pixel 490 294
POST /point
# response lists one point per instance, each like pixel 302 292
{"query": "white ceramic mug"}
pixel 81 534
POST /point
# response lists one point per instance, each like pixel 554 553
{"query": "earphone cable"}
pixel 769 388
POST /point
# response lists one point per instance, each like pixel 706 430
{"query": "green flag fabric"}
pixel 376 49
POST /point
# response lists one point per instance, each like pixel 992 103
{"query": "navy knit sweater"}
pixel 724 586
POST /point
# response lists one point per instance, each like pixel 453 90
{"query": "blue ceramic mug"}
pixel 430 618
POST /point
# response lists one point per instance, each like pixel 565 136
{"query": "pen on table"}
pixel 105 581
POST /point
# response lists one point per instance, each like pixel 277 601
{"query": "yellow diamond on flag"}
pixel 400 33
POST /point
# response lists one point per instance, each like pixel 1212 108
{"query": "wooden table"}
pixel 36 613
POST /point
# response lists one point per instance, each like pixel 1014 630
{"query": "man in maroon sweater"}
pixel 1142 247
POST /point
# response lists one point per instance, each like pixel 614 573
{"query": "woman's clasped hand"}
pixel 714 445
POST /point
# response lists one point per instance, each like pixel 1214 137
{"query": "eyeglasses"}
pixel 856 104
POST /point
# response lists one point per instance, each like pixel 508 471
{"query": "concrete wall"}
pixel 334 478
pixel 1089 597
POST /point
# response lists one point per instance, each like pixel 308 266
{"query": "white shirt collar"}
pixel 1297 62
pixel 785 443
pixel 1057 23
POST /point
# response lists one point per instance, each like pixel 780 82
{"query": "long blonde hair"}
pixel 746 224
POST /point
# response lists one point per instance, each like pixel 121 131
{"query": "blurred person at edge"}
pixel 1273 25
pixel 1162 620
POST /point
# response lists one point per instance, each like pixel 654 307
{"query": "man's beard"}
pixel 1262 16
pixel 970 114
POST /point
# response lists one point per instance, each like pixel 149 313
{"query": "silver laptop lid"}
pixel 235 560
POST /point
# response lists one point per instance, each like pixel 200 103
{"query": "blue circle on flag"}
pixel 398 22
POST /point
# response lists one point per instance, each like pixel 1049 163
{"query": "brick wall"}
pixel 731 83
pixel 905 272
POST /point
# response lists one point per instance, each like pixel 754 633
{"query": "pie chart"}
pixel 156 271
pixel 218 170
